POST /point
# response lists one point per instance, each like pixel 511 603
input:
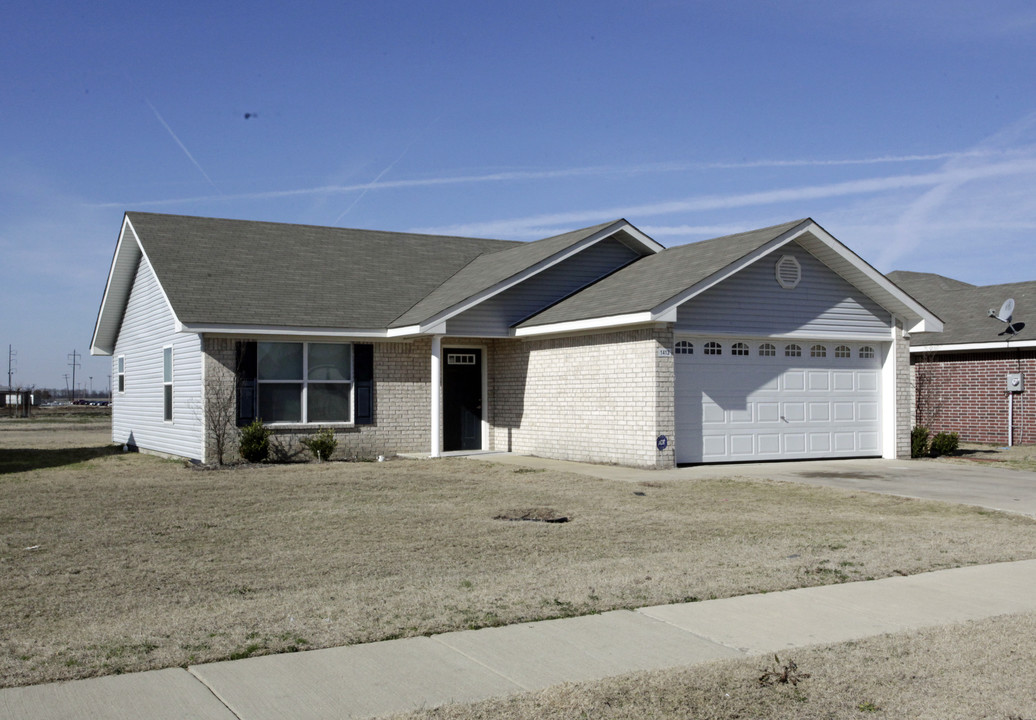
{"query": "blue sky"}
pixel 906 129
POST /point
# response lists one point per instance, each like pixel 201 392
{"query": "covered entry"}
pixel 462 399
pixel 769 399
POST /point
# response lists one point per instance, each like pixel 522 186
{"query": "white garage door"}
pixel 748 400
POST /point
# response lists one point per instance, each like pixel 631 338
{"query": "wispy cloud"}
pixel 948 176
pixel 182 146
pixel 530 175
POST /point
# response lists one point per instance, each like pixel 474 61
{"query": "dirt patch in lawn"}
pixel 128 562
pixel 1016 457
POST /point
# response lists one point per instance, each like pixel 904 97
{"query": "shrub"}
pixel 255 442
pixel 944 444
pixel 322 445
pixel 919 441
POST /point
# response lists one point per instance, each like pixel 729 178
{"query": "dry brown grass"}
pixel 1017 457
pixel 982 669
pixel 114 563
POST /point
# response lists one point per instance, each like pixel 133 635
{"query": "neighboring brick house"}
pixel 596 345
pixel 961 374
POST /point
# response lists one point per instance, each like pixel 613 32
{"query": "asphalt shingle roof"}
pixel 964 308
pixel 240 272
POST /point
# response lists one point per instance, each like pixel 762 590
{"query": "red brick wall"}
pixel 968 394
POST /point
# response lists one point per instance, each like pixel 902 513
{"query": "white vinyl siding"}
pixel 495 316
pixel 752 302
pixel 138 413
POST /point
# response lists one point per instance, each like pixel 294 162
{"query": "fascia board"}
pixel 926 320
pixel 965 347
pixel 285 330
pixel 119 258
pixel 649 244
pixel 539 267
pixel 731 269
pixel 588 324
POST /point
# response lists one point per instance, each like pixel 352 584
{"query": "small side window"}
pixel 120 372
pixel 792 351
pixel 167 384
pixel 684 348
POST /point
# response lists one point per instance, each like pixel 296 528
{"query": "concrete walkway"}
pixel 423 672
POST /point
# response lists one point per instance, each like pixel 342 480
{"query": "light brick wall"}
pixel 904 392
pixel 592 398
pixel 969 394
pixel 402 375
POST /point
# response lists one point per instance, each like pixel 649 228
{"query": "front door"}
pixel 462 399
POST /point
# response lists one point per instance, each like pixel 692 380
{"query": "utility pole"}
pixel 66 385
pixel 11 355
pixel 74 363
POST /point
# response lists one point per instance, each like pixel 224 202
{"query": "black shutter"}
pixel 363 372
pixel 247 369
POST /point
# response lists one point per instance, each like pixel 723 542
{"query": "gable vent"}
pixel 788 272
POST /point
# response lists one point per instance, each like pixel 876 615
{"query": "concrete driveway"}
pixel 988 487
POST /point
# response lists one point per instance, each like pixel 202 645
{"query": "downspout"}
pixel 436 427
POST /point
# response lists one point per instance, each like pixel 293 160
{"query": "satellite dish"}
pixel 1006 310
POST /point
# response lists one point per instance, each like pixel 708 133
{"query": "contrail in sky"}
pixel 180 143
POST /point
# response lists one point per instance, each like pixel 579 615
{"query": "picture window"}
pixel 301 382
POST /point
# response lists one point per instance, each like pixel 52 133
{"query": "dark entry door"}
pixel 462 399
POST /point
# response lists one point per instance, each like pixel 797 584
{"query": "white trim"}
pixel 588 324
pixel 292 331
pixel 436 387
pixel 889 397
pixel 485 386
pixel 1001 345
pixel 621 225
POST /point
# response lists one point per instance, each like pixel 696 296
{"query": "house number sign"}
pixel 662 442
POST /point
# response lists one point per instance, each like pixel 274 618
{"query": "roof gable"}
pixel 651 289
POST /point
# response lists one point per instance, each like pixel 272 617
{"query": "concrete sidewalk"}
pixel 399 675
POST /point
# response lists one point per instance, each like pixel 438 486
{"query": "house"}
pixel 595 345
pixel 965 376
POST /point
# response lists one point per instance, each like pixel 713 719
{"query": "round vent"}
pixel 788 272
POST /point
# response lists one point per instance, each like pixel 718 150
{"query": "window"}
pixel 738 349
pixel 713 348
pixel 304 382
pixel 120 373
pixel 684 348
pixel 843 351
pixel 792 351
pixel 767 350
pixel 167 384
pixel 818 351
pixel 867 352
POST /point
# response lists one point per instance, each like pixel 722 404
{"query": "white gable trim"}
pixel 618 226
pixel 121 276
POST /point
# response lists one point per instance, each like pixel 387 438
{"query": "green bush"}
pixel 944 444
pixel 919 441
pixel 255 442
pixel 322 445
